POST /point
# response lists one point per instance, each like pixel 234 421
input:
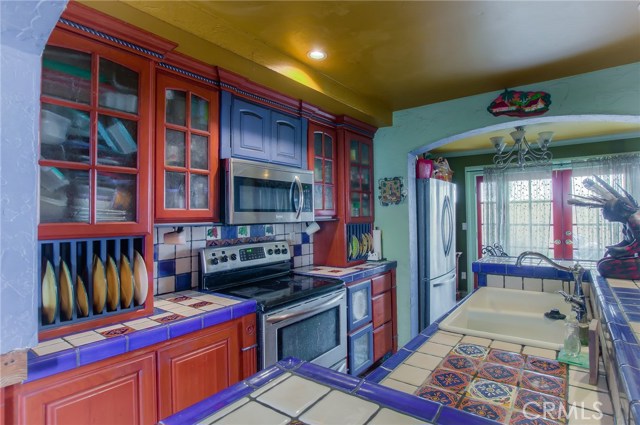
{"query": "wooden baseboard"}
pixel 13 367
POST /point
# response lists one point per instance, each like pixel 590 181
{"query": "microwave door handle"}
pixel 313 309
pixel 301 200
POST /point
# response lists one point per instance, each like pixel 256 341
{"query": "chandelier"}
pixel 522 153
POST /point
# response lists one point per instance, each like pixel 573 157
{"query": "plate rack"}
pixel 360 232
pixel 78 255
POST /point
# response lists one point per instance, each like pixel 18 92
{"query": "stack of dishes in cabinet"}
pixel 360 247
pixel 111 288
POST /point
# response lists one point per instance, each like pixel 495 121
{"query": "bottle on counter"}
pixel 572 336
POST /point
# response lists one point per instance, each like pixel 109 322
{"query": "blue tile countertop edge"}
pixel 39 367
pixel 382 266
pixel 532 268
pixel 421 409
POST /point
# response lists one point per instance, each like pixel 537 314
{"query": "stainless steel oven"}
pixel 258 192
pixel 298 316
pixel 313 330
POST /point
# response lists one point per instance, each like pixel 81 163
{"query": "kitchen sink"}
pixel 510 315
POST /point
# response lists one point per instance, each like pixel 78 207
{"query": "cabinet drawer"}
pixel 380 284
pixel 360 350
pixel 381 306
pixel 382 341
pixel 358 305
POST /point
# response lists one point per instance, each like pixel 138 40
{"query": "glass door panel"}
pixel 328 198
pixel 354 177
pixel 175 192
pixel 117 141
pixel 64 195
pixel 199 191
pixel 328 171
pixel 116 197
pixel 199 113
pixel 65 133
pixel 317 170
pixel 355 205
pixel 366 205
pixel 176 107
pixel 66 74
pixel 199 152
pixel 175 148
pixel 118 87
pixel 364 151
pixel 317 197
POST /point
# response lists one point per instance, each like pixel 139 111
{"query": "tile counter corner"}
pixel 348 274
pixel 175 314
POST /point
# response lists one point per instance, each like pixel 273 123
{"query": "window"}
pixel 535 215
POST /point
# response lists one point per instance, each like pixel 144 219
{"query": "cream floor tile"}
pixel 475 340
pixel 635 326
pixel 540 352
pixel 210 307
pixel 423 361
pixel 159 302
pixel 410 374
pixel 578 378
pixel 591 400
pixel 506 346
pixel 339 408
pixel 434 349
pixel 52 348
pixel 398 385
pixel 187 311
pixel 388 416
pixel 270 385
pixel 588 417
pixel 223 301
pixel 445 338
pixel 254 413
pixel 294 395
pixel 110 328
pixel 161 315
pixel 50 342
pixel 230 408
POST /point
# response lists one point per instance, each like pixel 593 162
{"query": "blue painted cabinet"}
pixel 252 131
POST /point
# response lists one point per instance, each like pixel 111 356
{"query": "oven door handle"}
pixel 313 309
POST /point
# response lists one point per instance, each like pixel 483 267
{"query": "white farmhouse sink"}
pixel 510 315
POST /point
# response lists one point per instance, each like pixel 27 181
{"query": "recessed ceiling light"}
pixel 317 55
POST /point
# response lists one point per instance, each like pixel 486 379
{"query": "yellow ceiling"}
pixel 385 56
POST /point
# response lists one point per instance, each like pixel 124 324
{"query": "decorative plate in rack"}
pixel 392 191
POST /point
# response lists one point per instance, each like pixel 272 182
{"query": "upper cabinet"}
pixel 187 182
pixel 358 160
pixel 94 139
pixel 252 131
pixel 323 158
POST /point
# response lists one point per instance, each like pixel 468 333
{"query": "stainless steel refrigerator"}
pixel 436 249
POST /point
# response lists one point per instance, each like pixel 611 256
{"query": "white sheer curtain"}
pixel 591 232
pixel 517 209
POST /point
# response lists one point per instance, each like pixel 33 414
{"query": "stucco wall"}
pixel 25 28
pixel 614 91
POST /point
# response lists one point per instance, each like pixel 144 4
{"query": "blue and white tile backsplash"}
pixel 175 267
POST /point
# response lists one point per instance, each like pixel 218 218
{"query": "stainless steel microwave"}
pixel 259 192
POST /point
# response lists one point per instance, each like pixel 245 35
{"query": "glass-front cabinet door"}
pixel 94 140
pixel 360 174
pixel 322 154
pixel 186 155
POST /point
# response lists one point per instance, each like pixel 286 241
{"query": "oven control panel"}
pixel 223 258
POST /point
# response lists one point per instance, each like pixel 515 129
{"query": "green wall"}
pixel 613 91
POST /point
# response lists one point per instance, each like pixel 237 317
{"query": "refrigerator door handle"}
pixel 446 225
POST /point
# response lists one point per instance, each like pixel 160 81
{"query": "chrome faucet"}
pixel 577 300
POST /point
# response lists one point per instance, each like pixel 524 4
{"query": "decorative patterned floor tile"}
pixel 438 395
pixel 546 366
pixel 200 304
pixel 542 404
pixel 484 409
pixel 471 350
pixel 547 384
pixel 520 418
pixel 178 299
pixel 506 358
pixel 115 331
pixel 169 318
pixel 449 380
pixel 460 363
pixel 492 391
pixel 499 373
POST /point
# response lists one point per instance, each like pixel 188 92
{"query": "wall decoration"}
pixel 392 191
pixel 520 103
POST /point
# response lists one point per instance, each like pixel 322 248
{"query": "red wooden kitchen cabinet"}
pixel 197 368
pixel 323 160
pixel 358 171
pixel 385 322
pixel 187 145
pixel 113 391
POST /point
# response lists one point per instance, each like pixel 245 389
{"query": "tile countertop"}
pixel 348 274
pixel 294 392
pixel 175 314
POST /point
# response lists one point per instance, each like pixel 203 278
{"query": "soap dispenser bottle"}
pixel 572 336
